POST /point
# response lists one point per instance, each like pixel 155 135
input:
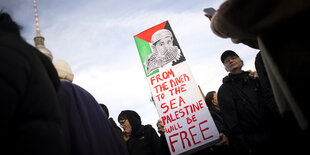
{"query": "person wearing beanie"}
pixel 64 71
pixel 86 127
pixel 249 120
pixel 140 139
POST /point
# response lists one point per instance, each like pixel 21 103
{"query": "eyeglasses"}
pixel 121 122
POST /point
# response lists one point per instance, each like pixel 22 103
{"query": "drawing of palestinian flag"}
pixel 158 47
pixel 175 93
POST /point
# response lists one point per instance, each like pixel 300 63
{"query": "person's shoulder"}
pixel 147 127
pixel 226 79
pixel 69 86
pixel 149 131
pixel 226 82
pixel 76 86
pixel 16 44
pixel 224 89
pixel 66 84
pixel 152 57
pixel 16 54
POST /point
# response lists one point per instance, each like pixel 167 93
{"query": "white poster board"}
pixel 179 103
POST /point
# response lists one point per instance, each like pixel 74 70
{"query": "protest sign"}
pixel 179 103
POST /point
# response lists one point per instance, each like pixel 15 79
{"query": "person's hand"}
pixel 125 136
pixel 253 73
pixel 223 141
pixel 160 127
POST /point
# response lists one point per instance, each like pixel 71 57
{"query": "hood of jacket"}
pixel 133 118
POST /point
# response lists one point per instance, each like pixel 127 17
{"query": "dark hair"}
pixel 129 114
pixel 104 108
pixel 122 116
pixel 6 23
pixel 133 118
pixel 209 98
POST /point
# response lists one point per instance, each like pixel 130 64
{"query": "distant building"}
pixel 39 39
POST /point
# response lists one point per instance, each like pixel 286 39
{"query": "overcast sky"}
pixel 96 38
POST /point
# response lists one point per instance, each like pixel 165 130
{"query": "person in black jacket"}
pixel 247 117
pixel 140 139
pixel 29 114
pixel 117 129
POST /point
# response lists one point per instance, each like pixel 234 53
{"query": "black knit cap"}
pixel 228 53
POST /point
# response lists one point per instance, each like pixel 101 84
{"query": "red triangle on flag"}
pixel 147 34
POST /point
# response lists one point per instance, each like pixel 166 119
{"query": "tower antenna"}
pixel 36 17
pixel 39 39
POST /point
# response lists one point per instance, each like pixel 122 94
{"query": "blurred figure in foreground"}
pixel 280 32
pixel 29 114
pixel 86 127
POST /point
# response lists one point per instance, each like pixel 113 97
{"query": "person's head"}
pixel 162 42
pixel 232 62
pixel 211 98
pixel 130 121
pixel 104 108
pixel 7 24
pixel 64 70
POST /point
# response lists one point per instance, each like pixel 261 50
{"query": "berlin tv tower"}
pixel 38 39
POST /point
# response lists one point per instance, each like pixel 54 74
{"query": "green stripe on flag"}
pixel 144 50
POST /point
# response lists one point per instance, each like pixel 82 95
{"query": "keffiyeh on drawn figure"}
pixel 163 51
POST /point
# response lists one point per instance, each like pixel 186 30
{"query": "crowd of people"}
pixel 42 112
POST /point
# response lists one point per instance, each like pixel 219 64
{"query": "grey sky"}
pixel 96 38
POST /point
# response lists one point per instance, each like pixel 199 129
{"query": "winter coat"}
pixel 29 114
pixel 143 139
pixel 86 126
pixel 246 116
pixel 241 100
pixel 144 142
